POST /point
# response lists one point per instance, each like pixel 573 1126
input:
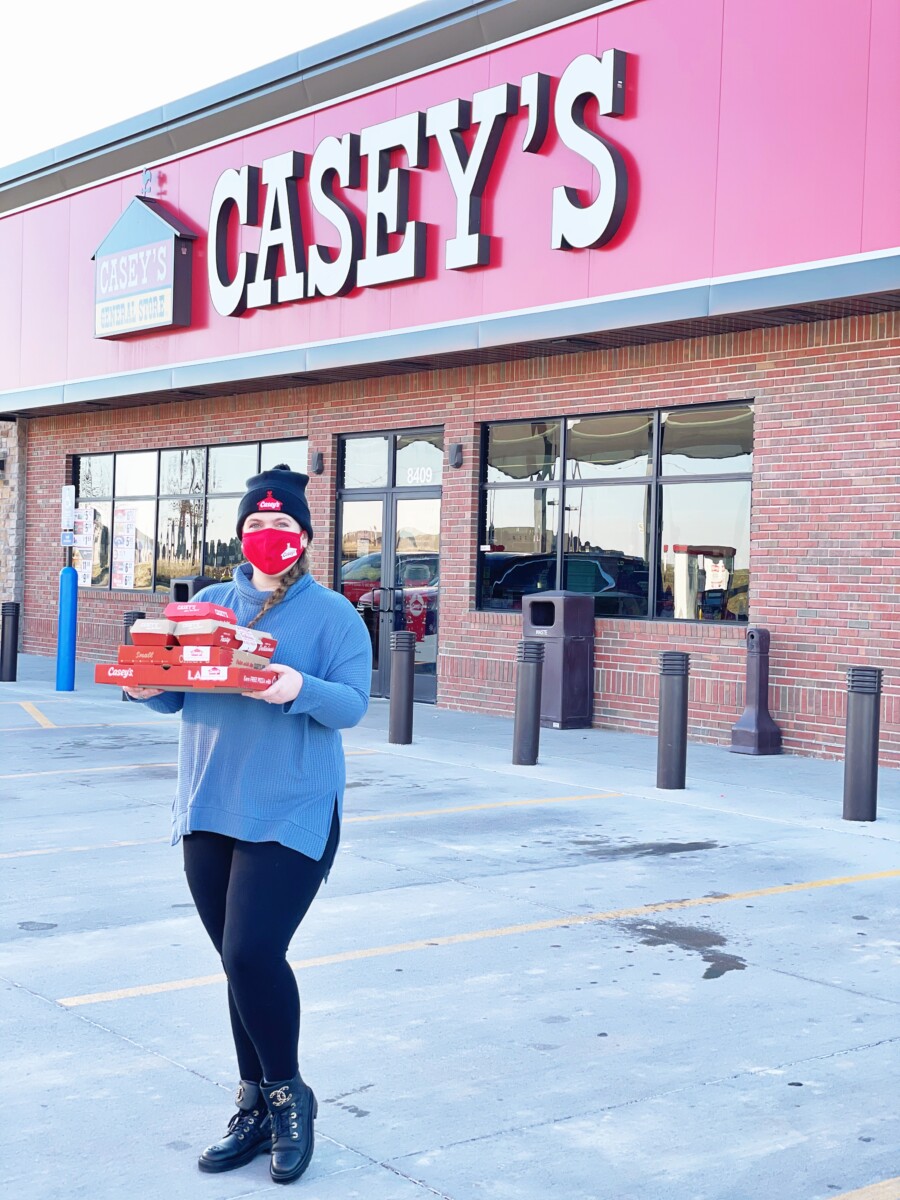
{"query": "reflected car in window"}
pixel 619 583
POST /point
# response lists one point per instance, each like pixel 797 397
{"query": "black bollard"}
pixel 527 725
pixel 129 618
pixel 671 749
pixel 9 642
pixel 403 661
pixel 861 751
pixel 755 731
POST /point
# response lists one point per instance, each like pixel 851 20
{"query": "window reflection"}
pixel 606 547
pixel 609 447
pixel 230 467
pixel 523 450
pixel 95 475
pixel 294 452
pixel 222 546
pixel 182 471
pixel 519 549
pixel 708 441
pixel 420 459
pixel 178 540
pixel 705 551
pixel 366 462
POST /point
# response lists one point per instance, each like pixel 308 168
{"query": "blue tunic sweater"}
pixel 269 772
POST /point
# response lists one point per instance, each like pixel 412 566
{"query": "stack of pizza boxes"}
pixel 193 647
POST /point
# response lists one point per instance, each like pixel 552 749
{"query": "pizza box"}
pixel 174 656
pixel 153 631
pixel 198 611
pixel 185 678
pixel 229 637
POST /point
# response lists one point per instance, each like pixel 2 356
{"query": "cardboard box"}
pixel 229 637
pixel 152 631
pixel 185 678
pixel 174 656
pixel 199 611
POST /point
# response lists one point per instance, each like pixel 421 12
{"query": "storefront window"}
pixel 519 552
pixel 295 453
pixel 420 459
pixel 705 551
pixel 607 548
pixel 94 477
pixel 143 517
pixel 707 441
pixel 609 447
pixel 178 540
pixel 522 451
pixel 676 546
pixel 222 546
pixel 231 466
pixel 136 474
pixel 366 462
pixel 182 471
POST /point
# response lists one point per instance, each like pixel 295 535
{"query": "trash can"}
pixel 564 622
pixel 182 591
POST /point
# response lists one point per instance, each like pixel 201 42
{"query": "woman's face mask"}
pixel 273 551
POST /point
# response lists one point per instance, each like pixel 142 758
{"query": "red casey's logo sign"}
pixel 386 246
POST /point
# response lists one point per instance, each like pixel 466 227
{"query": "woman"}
pixel 258 808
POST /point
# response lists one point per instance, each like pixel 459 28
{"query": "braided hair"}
pixel 297 571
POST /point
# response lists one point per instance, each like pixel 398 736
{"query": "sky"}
pixel 67 70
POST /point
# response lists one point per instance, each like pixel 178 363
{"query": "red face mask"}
pixel 272 551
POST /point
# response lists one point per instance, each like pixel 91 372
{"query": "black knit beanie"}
pixel 279 490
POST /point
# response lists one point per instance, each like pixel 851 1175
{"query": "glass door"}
pixel 388 553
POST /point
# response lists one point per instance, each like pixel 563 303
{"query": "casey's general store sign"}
pixel 386 244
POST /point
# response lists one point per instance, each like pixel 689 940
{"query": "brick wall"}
pixel 825 542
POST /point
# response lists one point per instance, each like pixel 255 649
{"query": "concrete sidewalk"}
pixel 519 982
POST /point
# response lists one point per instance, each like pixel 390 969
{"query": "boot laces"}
pixel 244 1123
pixel 285 1122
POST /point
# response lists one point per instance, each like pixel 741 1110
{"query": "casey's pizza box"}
pixel 228 636
pixel 176 656
pixel 153 631
pixel 198 611
pixel 185 677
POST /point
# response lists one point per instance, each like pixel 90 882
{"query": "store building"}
pixel 551 294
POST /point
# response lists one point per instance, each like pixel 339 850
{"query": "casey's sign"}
pixel 385 245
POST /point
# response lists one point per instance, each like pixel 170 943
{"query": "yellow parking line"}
pixel 424 812
pixel 34 711
pixel 479 935
pixel 889 1190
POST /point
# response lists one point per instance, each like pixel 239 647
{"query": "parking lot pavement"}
pixel 518 983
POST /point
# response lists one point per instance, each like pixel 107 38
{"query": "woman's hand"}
pixel 142 693
pixel 284 691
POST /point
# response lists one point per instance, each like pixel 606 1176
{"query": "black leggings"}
pixel 251 896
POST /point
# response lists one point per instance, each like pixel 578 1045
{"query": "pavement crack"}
pixel 838 987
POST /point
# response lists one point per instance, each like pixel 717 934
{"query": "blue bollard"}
pixel 65 635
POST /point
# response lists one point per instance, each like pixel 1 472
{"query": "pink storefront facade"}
pixel 539 273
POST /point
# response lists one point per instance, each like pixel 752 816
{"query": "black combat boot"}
pixel 249 1132
pixel 293 1108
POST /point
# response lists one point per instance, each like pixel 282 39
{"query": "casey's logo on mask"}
pixel 270 504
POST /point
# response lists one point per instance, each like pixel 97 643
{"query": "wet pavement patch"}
pixel 705 942
pixel 35 926
pixel 604 848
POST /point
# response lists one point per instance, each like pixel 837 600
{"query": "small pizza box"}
pixel 174 656
pixel 185 678
pixel 153 631
pixel 199 611
pixel 229 637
